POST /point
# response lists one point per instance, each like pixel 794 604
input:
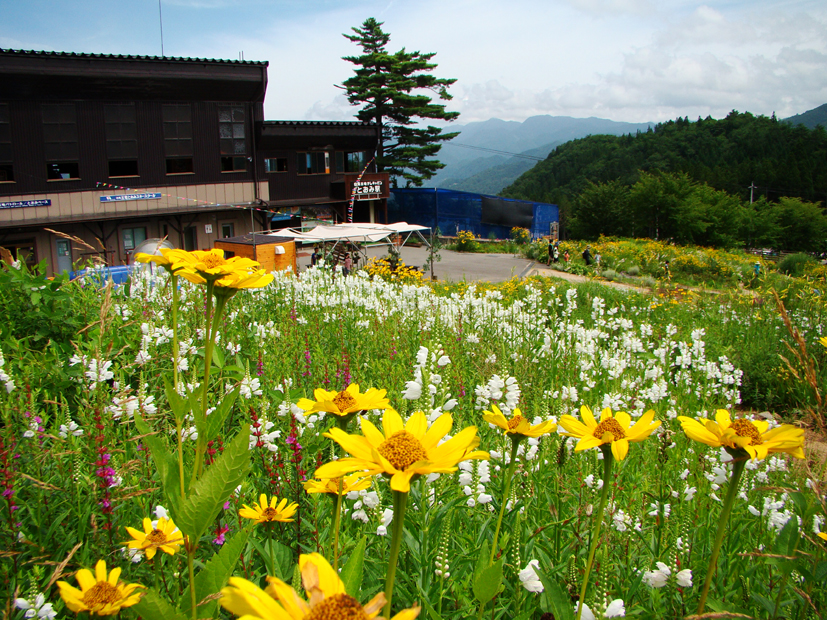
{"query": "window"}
pixel 276 164
pixel 190 238
pixel 231 134
pixel 178 138
pixel 60 141
pixel 121 140
pixel 317 162
pixel 351 161
pixel 227 230
pixel 6 168
pixel 132 237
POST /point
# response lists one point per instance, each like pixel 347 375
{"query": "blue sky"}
pixel 627 60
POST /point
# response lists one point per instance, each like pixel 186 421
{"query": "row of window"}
pixel 60 140
pixel 318 162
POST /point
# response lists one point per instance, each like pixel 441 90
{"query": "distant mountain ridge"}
pixel 469 169
pixel 811 118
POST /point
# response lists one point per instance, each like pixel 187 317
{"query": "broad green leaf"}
pixel 821 571
pixel 487 583
pixel 215 421
pixel 787 540
pixel 352 571
pixel 154 607
pixel 482 559
pixel 218 357
pixel 282 558
pixel 561 605
pixel 214 576
pixel 204 501
pixel 165 463
pixel 179 405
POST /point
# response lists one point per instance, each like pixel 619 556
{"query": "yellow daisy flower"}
pixel 349 400
pixel 255 278
pixel 165 537
pixel 161 260
pixel 518 425
pixel 403 451
pixel 823 341
pixel 822 535
pixel 743 434
pixel 353 482
pixel 99 594
pixel 262 512
pixel 200 266
pixel 612 429
pixel 327 597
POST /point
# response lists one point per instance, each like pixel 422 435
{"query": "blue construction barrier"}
pixel 483 215
pixel 118 274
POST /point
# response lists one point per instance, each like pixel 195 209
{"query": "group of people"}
pixel 347 261
pixel 554 255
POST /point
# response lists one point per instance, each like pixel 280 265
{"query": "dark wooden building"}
pixel 99 152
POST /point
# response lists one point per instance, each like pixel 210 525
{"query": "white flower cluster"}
pixel 97 371
pixel 36 607
pixel 5 378
pixel 661 575
pixel 428 381
pixel 775 512
pixel 71 428
pixel 612 609
pixel 504 393
pixel 530 579
pixel 250 386
pixel 473 476
pixel 365 501
pixel 124 407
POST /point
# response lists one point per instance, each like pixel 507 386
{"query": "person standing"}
pixel 550 252
pixel 556 251
pixel 348 265
pixel 587 256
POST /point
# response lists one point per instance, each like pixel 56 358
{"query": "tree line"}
pixel 742 180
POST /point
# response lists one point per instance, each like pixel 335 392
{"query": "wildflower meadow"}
pixel 209 440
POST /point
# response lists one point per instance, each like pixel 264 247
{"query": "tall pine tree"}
pixel 389 88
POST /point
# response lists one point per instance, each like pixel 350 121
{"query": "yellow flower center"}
pixel 402 450
pixel 612 426
pixel 156 537
pixel 101 593
pixel 344 401
pixel 514 422
pixel 211 261
pixel 337 607
pixel 269 513
pixel 745 428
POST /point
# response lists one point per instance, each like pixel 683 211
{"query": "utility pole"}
pixel 752 187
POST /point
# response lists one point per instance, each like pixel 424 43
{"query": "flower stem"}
pixel 336 524
pixel 729 501
pixel 173 279
pixel 509 474
pixel 212 329
pixel 608 461
pixel 191 566
pixel 400 502
pixel 272 568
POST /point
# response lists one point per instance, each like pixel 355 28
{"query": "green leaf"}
pixel 821 571
pixel 482 559
pixel 787 539
pixel 165 463
pixel 432 614
pixel 561 605
pixel 767 604
pixel 282 556
pixel 204 501
pixel 487 583
pixel 215 421
pixel 214 576
pixel 218 357
pixel 352 571
pixel 153 607
pixel 179 405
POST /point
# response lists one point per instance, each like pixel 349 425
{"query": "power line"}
pixel 481 148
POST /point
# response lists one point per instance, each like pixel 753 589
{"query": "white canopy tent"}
pixel 359 232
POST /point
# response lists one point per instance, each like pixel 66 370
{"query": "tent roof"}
pixel 350 232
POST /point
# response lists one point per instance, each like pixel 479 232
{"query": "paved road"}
pixel 454 266
pixel 459 266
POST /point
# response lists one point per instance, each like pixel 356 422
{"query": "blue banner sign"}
pixel 122 197
pixel 26 203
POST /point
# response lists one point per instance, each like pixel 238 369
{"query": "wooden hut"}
pixel 274 253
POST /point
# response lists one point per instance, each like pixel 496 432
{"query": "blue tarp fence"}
pixel 483 215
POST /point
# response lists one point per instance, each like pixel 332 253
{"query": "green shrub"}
pixel 633 271
pixel 609 274
pixel 648 281
pixel 795 264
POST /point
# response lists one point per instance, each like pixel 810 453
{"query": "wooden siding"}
pixel 30 164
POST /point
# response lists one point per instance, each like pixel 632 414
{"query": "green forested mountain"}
pixel 728 154
pixel 689 181
pixel 810 118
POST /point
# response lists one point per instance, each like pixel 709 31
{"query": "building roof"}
pixel 261 238
pixel 39 76
pixel 14 52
